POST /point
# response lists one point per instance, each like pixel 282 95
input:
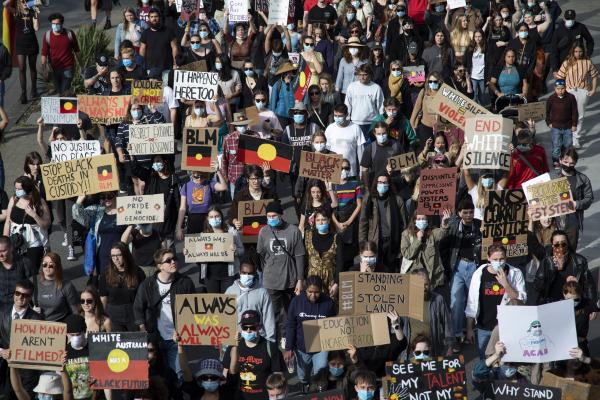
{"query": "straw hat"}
pixel 354 42
pixel 287 66
pixel 239 118
pixel 298 106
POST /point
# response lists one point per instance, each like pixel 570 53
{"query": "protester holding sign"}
pixel 527 161
pixel 200 45
pixel 200 116
pixel 255 191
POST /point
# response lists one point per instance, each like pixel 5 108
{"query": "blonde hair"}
pixel 460 38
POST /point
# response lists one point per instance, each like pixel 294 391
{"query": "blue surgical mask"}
pixel 249 336
pixel 249 73
pixel 487 182
pixel 468 5
pixel 308 47
pixel 381 139
pixel 203 34
pixel 218 66
pixel 434 85
pixel 214 222
pixel 127 62
pixel 56 28
pixel 392 114
pixel 396 74
pixel 240 129
pixel 158 166
pixel 576 302
pixel 335 371
pixel 421 224
pixel 523 34
pixel 44 396
pixel 569 23
pixel 339 120
pixel 199 111
pixel 421 357
pixel 323 228
pixel 145 1
pixel 290 27
pixel 369 260
pixel 299 118
pixel 319 147
pixel 355 4
pixel 508 371
pixel 136 114
pixel 210 386
pixel 401 13
pixel 365 394
pixel 247 280
pixel 20 193
pixel 382 188
pixel 523 147
pixel 497 265
pixel 350 16
pixel 195 46
pixel 260 105
pixel 440 8
pixel 276 55
pixel 273 221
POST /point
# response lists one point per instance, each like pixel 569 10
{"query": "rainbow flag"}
pixel 8 33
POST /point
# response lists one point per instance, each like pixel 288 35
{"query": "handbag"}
pixel 89 248
pixel 17 239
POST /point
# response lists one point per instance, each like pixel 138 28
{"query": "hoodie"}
pixel 255 298
pixel 301 309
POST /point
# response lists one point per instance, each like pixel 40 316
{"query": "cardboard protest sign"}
pixel 187 7
pixel 535 111
pixel 65 150
pixel 414 74
pixel 262 5
pixel 378 292
pixel 118 360
pixel 206 319
pixel 336 394
pixel 326 167
pixel 254 150
pixel 441 378
pixel 37 344
pixel 402 161
pixel 195 85
pixel 538 179
pixel 145 209
pixel 505 222
pixel 199 151
pixel 147 91
pixel 454 106
pixel 573 389
pixel 104 109
pixel 337 333
pixel 151 139
pixel 452 4
pixel 538 334
pixel 83 176
pixel 59 110
pixel 199 66
pixel 437 191
pixel 507 390
pixel 294 58
pixel 253 216
pixel 238 10
pixel 488 137
pixel 278 12
pixel 208 247
pixel 551 199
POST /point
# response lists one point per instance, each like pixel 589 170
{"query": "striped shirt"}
pixel 347 192
pixel 576 76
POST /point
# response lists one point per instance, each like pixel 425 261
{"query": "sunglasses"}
pixel 209 378
pixel 433 81
pixel 419 352
pixel 21 294
pixel 169 260
pixel 560 244
pixel 249 327
pixel 396 69
pixel 107 197
pixel 195 42
pixel 87 301
pixel 263 100
pixel 48 265
pixel 536 326
pixel 309 44
pixel 116 255
pixel 315 93
pixel 248 69
pixel 346 168
pixel 355 31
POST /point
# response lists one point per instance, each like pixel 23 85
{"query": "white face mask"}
pixel 353 51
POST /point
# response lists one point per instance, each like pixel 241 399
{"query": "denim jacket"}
pixel 140 25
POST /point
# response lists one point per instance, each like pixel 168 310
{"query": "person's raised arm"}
pixel 127 236
pixel 541 28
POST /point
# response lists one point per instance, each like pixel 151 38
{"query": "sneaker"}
pixel 107 25
pixel 556 165
pixel 282 343
pixel 71 256
pixel 305 388
pixel 65 242
pixel 576 143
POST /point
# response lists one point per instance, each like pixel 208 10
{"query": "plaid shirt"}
pixel 230 165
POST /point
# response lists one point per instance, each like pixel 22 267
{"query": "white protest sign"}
pixel 238 10
pixel 538 334
pixel 59 110
pixel 452 4
pixel 538 179
pixel 278 12
pixel 146 209
pixel 65 150
pixel 151 139
pixel 195 85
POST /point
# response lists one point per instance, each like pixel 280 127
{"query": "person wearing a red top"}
pixel 308 4
pixel 527 161
pixel 416 11
pixel 59 49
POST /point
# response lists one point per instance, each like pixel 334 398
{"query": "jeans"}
pixel 168 349
pixel 365 129
pixel 582 99
pixel 560 138
pixel 304 361
pixel 62 80
pixel 232 190
pixel 463 272
pixel 483 338
pixel 478 90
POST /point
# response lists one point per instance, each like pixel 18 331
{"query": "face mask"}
pixel 195 46
pixel 145 1
pixel 276 55
pixel 421 224
pixel 273 222
pixel 391 6
pixel 569 169
pixel 497 265
pixel 440 8
pixel 487 182
pixel 247 280
pixel 381 139
pixel 203 35
pixel 421 357
pixel 434 85
pixel 240 129
pixel 382 188
pixel 218 66
pixel 20 193
pixel 260 104
pixel 523 148
pixel 290 27
pixel 210 386
pixel 77 341
pixel 339 120
pixel 523 34
pixel 56 28
pixel 355 4
pixel 240 37
pixel 299 118
pixel 569 23
pixel 308 48
pixel 157 166
pixel 396 74
pixel 530 5
pixel 214 222
pixel 198 111
pixel 401 13
pixel 249 73
pixel 319 147
pixel 345 174
pixel 136 114
pixel 504 15
pixel 335 371
pixel 353 51
pixel 438 150
pixel 365 394
pixel 322 228
pixel 369 260
pixel 576 302
pixel 350 16
pixel 508 371
pixel 127 62
pixel 392 114
pixel 468 5
pixel 277 397
pixel 249 336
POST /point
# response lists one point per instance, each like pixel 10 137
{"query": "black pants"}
pixel 218 285
pixel 121 317
pixel 35 256
pixel 281 301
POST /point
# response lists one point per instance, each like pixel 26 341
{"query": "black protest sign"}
pixel 336 394
pixel 507 390
pixel 505 222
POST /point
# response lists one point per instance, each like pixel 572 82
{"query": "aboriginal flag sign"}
pixel 256 151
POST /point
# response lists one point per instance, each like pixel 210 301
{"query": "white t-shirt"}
pixel 166 326
pixel 169 102
pixel 263 116
pixel 347 141
pixel 477 71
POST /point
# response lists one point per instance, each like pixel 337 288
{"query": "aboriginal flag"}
pixel 256 151
pixel 198 156
pixel 252 225
pixel 68 106
pixel 505 240
pixel 105 173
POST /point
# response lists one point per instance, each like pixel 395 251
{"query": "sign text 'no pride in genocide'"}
pixel 505 222
pixel 145 209
pixel 337 333
pixel 83 176
pixel 147 91
pixel 365 293
pixel 402 161
pixel 326 167
pixel 65 150
pixel 119 360
pixel 488 137
pixel 208 247
pixel 59 110
pixel 151 139
pixel 195 85
pixel 206 319
pixel 104 109
pixel 551 199
pixel 454 106
pixel 437 191
pixel 37 344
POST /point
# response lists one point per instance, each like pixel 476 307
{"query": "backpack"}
pixel 47 39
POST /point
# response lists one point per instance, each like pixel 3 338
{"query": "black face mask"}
pixel 569 169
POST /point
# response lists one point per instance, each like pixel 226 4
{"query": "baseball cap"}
pixel 210 366
pixel 102 60
pixel 559 82
pixel 250 317
pixel 570 14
